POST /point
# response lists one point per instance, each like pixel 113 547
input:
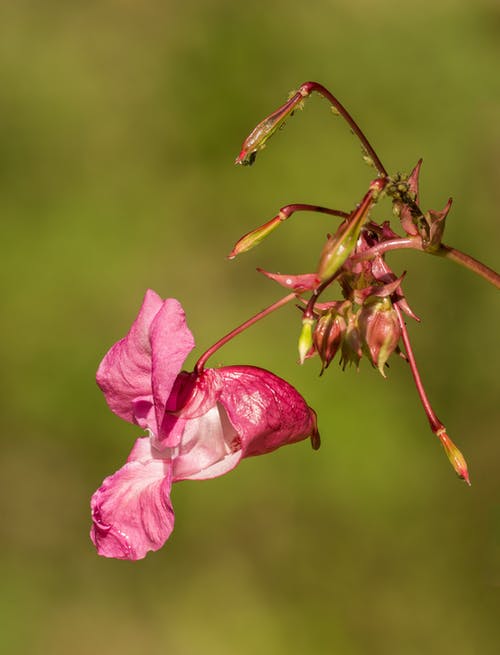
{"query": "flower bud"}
pixel 253 238
pixel 456 458
pixel 351 343
pixel 305 338
pixel 339 246
pixel 327 337
pixel 265 129
pixel 380 330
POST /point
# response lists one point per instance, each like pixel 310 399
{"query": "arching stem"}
pixel 308 87
pixel 200 364
pixel 255 236
pixel 453 453
pixel 470 263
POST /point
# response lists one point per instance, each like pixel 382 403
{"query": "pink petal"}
pixel 171 342
pixel 131 511
pixel 298 283
pixel 138 372
pixel 190 398
pixel 210 447
pixel 247 411
pixel 265 410
pixel 124 374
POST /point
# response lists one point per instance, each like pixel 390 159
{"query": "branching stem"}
pixel 415 243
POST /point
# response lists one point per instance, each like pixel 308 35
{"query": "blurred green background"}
pixel 119 123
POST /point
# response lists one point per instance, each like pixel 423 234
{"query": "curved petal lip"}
pixel 131 511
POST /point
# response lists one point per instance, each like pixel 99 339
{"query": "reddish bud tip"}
pixel 456 458
pixel 253 238
pixel 256 140
pixel 297 283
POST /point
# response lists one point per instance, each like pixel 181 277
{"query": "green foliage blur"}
pixel 119 123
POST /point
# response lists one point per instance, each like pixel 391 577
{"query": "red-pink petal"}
pixel 171 342
pixel 249 411
pixel 265 410
pixel 138 373
pixel 131 511
pixel 124 374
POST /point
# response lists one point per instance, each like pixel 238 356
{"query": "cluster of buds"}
pixel 369 319
pixel 371 329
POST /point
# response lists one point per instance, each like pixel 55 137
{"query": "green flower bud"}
pixel 351 343
pixel 339 246
pixel 253 238
pixel 305 338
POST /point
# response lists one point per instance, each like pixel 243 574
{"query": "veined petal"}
pixel 138 372
pixel 131 511
pixel 125 372
pixel 265 410
pixel 171 342
pixel 210 447
pixel 251 412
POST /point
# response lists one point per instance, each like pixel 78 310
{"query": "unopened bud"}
pixel 305 338
pixel 327 337
pixel 253 238
pixel 339 246
pixel 380 330
pixel 456 458
pixel 265 129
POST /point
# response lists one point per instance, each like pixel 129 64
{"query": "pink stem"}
pixel 308 87
pixel 470 263
pixel 414 243
pixel 447 252
pixel 288 210
pixel 200 364
pixel 434 422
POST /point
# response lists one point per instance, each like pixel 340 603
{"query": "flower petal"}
pixel 250 412
pixel 131 511
pixel 210 447
pixel 264 409
pixel 171 343
pixel 137 374
pixel 124 374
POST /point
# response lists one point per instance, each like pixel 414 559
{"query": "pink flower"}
pixel 200 426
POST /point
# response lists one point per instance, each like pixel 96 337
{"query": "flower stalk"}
pixel 200 364
pixel 456 458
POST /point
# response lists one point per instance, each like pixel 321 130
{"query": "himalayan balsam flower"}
pixel 200 426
